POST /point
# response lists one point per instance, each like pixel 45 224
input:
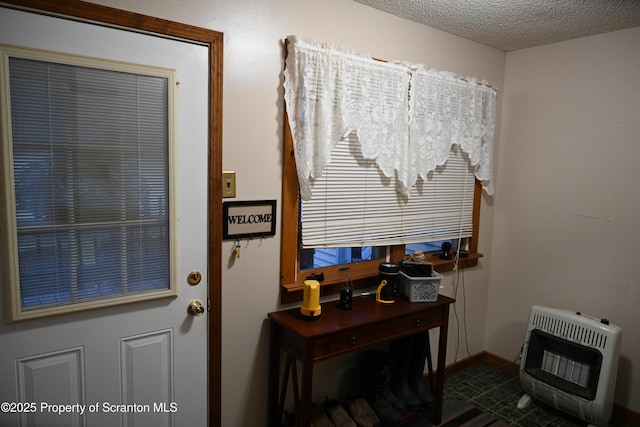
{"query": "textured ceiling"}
pixel 515 24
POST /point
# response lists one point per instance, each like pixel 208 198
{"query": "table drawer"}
pixel 366 335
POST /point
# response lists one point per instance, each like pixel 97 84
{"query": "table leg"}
pixel 432 385
pixel 296 393
pixel 275 418
pixel 305 398
pixel 442 352
pixel 284 386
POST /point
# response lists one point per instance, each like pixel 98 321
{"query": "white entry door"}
pixel 138 364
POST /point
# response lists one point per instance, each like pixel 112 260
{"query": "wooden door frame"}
pixel 89 12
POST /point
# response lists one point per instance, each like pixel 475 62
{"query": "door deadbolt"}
pixel 195 308
pixel 194 277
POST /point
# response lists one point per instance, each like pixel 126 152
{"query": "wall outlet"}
pixel 228 184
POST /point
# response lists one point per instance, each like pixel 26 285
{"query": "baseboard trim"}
pixel 462 364
pixel 619 413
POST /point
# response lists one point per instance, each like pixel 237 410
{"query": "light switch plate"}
pixel 228 184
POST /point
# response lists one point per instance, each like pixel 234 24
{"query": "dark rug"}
pixel 457 413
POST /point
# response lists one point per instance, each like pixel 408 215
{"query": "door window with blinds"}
pixel 86 155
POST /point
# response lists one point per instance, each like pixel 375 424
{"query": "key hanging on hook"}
pixel 236 249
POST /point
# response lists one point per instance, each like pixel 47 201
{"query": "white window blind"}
pixel 90 162
pixel 354 204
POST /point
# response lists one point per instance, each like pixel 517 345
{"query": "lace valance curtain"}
pixel 406 117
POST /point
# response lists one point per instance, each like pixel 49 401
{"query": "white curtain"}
pixel 405 116
pixel 447 110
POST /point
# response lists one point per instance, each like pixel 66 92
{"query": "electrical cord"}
pixel 455 315
pixel 459 283
pixel 464 311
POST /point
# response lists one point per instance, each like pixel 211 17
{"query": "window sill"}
pixel 293 292
pixel 290 293
pixel 445 265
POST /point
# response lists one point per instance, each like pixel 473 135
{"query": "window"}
pixel 86 149
pixel 298 263
pixel 326 257
pixel 414 124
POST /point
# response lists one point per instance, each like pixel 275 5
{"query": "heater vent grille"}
pixel 570 362
pixel 566 409
pixel 570 330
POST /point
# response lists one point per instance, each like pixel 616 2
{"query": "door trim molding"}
pixel 83 11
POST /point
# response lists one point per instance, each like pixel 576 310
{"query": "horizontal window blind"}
pixel 91 182
pixel 354 204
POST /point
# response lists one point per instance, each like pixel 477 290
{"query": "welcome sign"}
pixel 249 219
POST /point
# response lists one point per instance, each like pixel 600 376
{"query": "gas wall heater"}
pixel 570 362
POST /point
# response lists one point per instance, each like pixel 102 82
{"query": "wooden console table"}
pixel 339 332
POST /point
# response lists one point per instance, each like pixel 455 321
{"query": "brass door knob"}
pixel 195 308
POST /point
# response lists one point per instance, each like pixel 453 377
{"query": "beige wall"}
pixel 567 204
pixel 564 221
